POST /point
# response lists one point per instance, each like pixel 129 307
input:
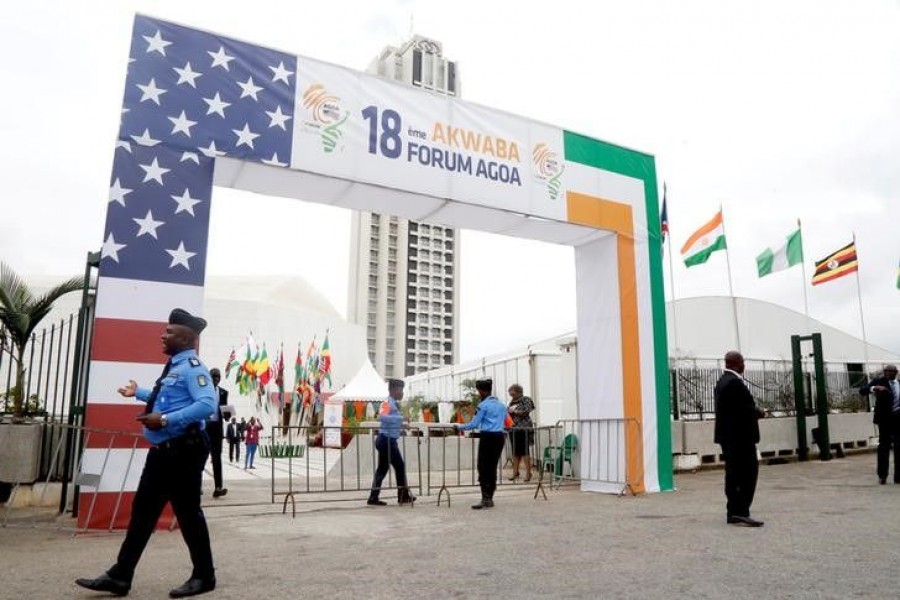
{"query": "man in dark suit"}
pixel 737 432
pixel 216 432
pixel 887 416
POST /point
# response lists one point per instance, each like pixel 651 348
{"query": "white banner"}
pixel 363 128
pixel 332 419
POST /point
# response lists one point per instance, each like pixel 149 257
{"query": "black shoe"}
pixel 744 522
pixel 407 500
pixel 375 502
pixel 220 492
pixel 192 587
pixel 105 583
pixel 882 480
pixel 485 503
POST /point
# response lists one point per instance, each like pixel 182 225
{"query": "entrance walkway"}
pixel 831 532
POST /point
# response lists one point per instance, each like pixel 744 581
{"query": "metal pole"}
pixel 737 331
pixel 821 399
pixel 862 320
pixel 799 405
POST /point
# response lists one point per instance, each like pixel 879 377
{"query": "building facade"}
pixel 404 275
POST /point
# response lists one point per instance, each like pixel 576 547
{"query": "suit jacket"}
pixel 215 428
pixel 737 422
pixel 884 400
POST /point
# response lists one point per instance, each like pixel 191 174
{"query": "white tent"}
pixel 367 384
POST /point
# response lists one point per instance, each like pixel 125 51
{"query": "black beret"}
pixel 396 383
pixel 485 385
pixel 179 316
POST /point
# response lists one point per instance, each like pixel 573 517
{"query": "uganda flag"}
pixel 837 264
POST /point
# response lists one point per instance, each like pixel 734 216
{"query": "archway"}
pixel 202 110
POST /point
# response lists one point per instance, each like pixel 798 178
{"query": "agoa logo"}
pixel 326 115
pixel 548 168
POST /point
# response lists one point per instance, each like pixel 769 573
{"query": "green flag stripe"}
pixel 602 155
pixel 701 257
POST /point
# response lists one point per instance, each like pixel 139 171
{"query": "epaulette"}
pixel 195 362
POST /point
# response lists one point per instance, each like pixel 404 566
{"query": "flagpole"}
pixel 737 331
pixel 862 320
pixel 671 278
pixel 672 285
pixel 803 267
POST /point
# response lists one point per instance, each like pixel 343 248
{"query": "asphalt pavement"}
pixel 830 532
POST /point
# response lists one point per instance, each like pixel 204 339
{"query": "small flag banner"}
pixel 703 242
pixel 779 259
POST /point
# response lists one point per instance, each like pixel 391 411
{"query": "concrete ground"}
pixel 831 532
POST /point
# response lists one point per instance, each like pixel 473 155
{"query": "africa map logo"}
pixel 327 115
pixel 548 168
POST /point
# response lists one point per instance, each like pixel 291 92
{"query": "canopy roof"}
pixel 367 384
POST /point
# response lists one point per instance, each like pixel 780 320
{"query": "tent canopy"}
pixel 367 384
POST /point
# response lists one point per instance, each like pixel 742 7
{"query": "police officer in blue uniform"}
pixel 177 407
pixel 490 420
pixel 388 448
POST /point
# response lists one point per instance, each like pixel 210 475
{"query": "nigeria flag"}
pixel 778 259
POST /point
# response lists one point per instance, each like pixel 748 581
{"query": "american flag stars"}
pixel 201 92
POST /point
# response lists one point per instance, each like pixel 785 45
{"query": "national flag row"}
pixel 710 237
pixel 254 371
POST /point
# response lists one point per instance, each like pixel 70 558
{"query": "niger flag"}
pixel 836 264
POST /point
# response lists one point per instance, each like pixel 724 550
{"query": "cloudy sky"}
pixel 775 110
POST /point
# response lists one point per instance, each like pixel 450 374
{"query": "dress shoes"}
pixel 407 500
pixel 744 522
pixel 882 480
pixel 105 583
pixel 485 503
pixel 192 587
pixel 372 502
pixel 220 492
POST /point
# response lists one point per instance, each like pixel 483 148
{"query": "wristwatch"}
pixel 163 420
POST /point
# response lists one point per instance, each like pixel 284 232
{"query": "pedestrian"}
pixel 489 419
pixel 234 436
pixel 388 448
pixel 737 432
pixel 251 439
pixel 521 435
pixel 173 423
pixel 215 433
pixel 887 416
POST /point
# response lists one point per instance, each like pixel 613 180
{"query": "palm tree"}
pixel 20 313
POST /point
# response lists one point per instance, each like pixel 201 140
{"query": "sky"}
pixel 773 110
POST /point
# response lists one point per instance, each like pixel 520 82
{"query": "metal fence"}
pixel 49 358
pixel 439 460
pixel 691 390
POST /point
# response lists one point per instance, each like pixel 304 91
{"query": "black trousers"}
pixel 170 475
pixel 741 473
pixel 490 447
pixel 215 452
pixel 389 456
pixel 888 437
pixel 234 450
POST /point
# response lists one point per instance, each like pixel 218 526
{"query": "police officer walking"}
pixel 177 406
pixel 388 449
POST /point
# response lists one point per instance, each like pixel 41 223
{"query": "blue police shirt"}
pixel 491 416
pixel 391 419
pixel 187 396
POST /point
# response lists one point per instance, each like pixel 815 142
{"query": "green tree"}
pixel 20 313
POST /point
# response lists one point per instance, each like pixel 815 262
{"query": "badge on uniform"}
pixel 201 380
pixel 195 362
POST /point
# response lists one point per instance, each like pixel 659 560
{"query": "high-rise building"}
pixel 404 275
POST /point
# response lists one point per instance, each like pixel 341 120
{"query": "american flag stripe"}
pixel 128 341
pixel 108 376
pixel 120 418
pixel 138 300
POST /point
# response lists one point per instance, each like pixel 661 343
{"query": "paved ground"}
pixel 831 532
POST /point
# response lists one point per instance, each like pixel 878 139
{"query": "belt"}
pixel 183 441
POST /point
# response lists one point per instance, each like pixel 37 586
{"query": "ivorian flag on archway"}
pixel 837 264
